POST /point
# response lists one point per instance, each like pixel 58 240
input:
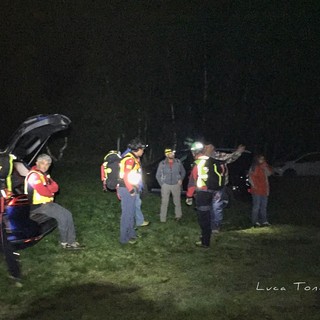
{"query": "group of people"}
pixel 208 180
pixel 207 184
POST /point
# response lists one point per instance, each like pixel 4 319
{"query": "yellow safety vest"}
pixel 36 197
pixel 135 170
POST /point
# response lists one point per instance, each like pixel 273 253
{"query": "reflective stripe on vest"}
pixel 36 197
pixel 8 179
pixel 202 173
pixel 218 174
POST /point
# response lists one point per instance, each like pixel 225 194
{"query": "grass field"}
pixel 265 273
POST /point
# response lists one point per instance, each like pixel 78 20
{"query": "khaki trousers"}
pixel 166 190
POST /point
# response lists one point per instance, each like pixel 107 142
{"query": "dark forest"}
pixel 227 71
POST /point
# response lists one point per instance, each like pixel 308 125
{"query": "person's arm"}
pixel 128 166
pixel 21 168
pixel 159 174
pixel 230 157
pixel 47 189
pixel 192 185
pixel 182 171
pixel 192 182
pixel 268 169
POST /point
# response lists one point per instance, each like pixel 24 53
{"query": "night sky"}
pixel 226 71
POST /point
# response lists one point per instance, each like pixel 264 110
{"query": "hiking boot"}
pixel 215 231
pixel 144 224
pixel 266 224
pixel 178 219
pixel 257 225
pixel 201 245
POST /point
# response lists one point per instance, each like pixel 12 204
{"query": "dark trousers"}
pixel 203 204
pixel 10 257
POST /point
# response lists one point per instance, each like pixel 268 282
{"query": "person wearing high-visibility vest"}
pixel 218 203
pixel 205 181
pixel 41 189
pixel 13 265
pixel 128 190
pixel 138 215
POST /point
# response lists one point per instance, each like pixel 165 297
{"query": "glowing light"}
pixel 134 178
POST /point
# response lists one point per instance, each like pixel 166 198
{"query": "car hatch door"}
pixel 34 132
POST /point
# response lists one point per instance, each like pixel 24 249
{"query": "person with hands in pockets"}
pixel 129 181
pixel 170 174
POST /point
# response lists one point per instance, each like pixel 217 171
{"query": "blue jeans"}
pixel 139 218
pixel 217 209
pixel 259 209
pixel 128 207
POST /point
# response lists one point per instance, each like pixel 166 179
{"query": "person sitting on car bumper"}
pixel 41 189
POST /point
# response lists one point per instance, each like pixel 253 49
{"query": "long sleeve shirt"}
pixel 42 183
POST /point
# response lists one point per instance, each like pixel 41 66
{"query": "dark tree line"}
pixel 228 71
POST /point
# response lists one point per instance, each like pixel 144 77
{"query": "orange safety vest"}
pixel 36 197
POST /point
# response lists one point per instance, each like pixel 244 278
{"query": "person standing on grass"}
pixel 259 173
pixel 41 189
pixel 6 167
pixel 218 199
pixel 138 215
pixel 170 174
pixel 200 184
pixel 130 179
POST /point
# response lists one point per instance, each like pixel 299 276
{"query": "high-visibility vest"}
pixel 36 198
pixel 211 173
pixel 6 168
pixel 135 170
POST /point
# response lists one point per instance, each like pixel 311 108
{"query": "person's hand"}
pixel 241 148
pixel 189 201
pixel 104 185
pixel 133 192
pixel 179 182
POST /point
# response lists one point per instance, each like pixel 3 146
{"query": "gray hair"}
pixel 44 157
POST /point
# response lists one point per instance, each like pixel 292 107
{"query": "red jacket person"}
pixel 41 189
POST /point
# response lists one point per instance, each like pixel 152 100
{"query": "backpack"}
pixel 6 167
pixel 213 173
pixel 110 170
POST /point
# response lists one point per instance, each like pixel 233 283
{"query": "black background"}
pixel 228 71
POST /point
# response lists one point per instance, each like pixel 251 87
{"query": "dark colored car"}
pixel 238 186
pixel 25 144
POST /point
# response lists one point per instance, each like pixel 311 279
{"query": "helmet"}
pixel 197 147
pixel 136 144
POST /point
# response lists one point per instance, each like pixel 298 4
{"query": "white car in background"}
pixel 305 165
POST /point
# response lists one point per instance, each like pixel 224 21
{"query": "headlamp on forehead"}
pixel 168 150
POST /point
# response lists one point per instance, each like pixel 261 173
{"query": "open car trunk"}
pixel 22 229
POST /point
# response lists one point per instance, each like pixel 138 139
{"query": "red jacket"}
pixel 42 183
pixel 258 177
